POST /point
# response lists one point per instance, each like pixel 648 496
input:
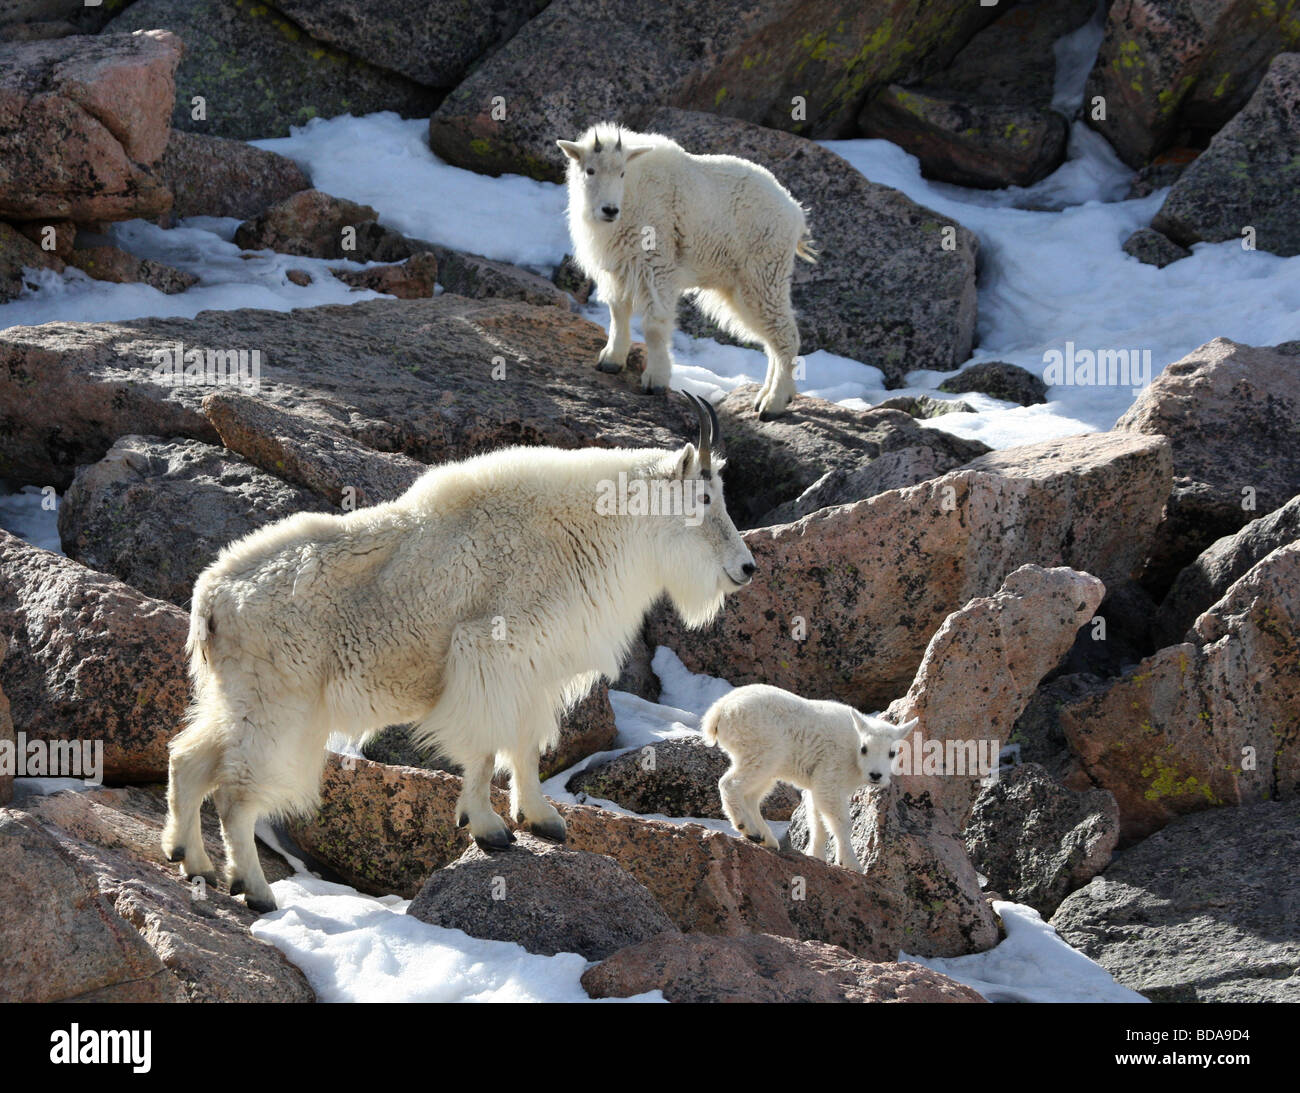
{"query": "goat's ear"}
pixel 634 152
pixel 570 149
pixel 905 729
pixel 686 459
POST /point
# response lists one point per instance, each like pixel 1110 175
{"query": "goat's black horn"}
pixel 595 142
pixel 704 413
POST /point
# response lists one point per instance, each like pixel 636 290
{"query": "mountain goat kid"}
pixel 827 749
pixel 650 221
pixel 477 605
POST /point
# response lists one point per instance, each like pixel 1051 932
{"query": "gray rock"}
pixel 997 379
pixel 1246 177
pixel 1149 246
pixel 259 74
pixel 548 898
pixel 894 470
pixel 1205 581
pixel 215 176
pixel 770 462
pixel 1207 910
pixel 924 406
pixel 1036 841
pixel 907 845
pixel 432 44
pixel 479 278
pixel 1173 72
pixel 988 145
pixel 156 512
pixel 672 778
pixel 746 59
pixel 1232 413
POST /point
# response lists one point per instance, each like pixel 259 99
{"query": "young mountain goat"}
pixel 478 605
pixel 827 749
pixel 650 221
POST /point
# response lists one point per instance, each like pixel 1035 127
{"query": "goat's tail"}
pixel 709 724
pixel 201 628
pixel 805 248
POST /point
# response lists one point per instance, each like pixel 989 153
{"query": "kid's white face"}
pixel 601 174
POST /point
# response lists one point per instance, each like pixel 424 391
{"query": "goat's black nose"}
pixel 610 210
pixel 748 569
pixel 875 776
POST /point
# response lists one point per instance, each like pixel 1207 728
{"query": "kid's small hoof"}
pixel 261 906
pixel 754 838
pixel 236 887
pixel 770 415
pixel 609 368
pixel 209 878
pixel 652 390
pixel 462 820
pixel 177 855
pixel 551 830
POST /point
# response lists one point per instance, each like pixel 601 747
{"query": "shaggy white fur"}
pixel 650 221
pixel 478 605
pixel 827 749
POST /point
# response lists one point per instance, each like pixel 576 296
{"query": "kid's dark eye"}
pixel 892 754
pixel 706 499
pixel 591 170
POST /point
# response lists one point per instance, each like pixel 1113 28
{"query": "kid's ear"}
pixel 634 152
pixel 685 461
pixel 903 730
pixel 570 149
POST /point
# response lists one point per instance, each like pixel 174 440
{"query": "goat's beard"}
pixel 696 606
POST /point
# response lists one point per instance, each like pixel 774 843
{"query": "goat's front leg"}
pixel 658 359
pixel 614 356
pixel 474 806
pixel 837 819
pixel 816 847
pixel 528 804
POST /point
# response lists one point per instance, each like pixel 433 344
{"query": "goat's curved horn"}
pixel 595 142
pixel 703 413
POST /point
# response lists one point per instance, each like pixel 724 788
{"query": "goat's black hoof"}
pixel 177 855
pixel 261 906
pixel 654 390
pixel 550 830
pixel 462 820
pixel 499 840
pixel 209 878
pixel 770 415
pixel 754 838
pixel 236 886
pixel 609 368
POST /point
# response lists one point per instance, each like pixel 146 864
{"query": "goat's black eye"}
pixel 621 174
pixel 706 499
pixel 892 754
pixel 591 170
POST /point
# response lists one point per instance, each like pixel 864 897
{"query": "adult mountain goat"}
pixel 650 221
pixel 477 605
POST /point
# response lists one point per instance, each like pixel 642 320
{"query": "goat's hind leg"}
pixel 613 356
pixel 191 769
pixel 239 815
pixel 741 790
